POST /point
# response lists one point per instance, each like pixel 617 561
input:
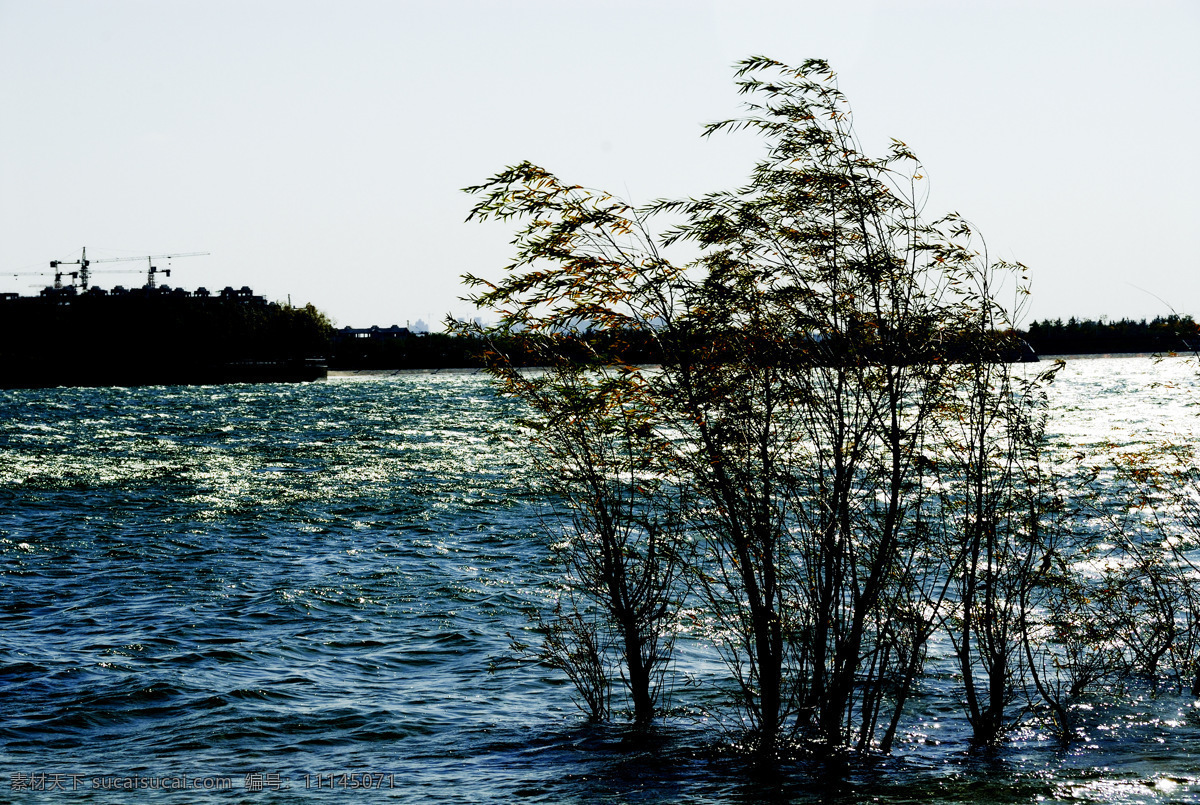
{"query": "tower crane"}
pixel 83 262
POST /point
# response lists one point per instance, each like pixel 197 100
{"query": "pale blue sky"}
pixel 317 149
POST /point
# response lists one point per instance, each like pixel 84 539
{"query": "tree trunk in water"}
pixel 639 669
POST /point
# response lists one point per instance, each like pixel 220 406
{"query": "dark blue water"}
pixel 264 588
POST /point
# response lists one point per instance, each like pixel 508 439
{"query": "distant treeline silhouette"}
pixel 637 347
pixel 156 337
pixel 407 351
pixel 1075 336
pixel 1087 337
pixel 453 351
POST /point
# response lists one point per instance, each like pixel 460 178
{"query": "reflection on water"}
pixel 322 579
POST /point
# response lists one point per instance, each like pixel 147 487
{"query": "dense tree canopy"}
pixel 150 335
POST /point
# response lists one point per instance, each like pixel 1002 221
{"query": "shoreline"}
pixel 349 373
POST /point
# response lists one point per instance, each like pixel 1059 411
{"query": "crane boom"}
pixel 150 257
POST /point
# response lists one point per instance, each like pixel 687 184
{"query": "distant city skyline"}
pixel 317 150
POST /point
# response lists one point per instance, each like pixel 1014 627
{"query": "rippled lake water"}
pixel 263 588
